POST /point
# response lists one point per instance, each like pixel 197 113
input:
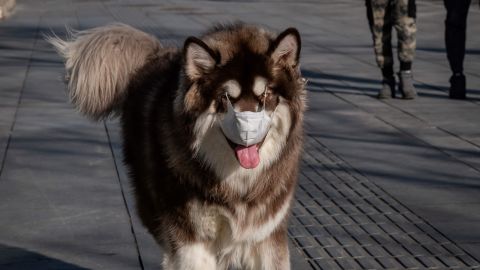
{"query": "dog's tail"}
pixel 100 63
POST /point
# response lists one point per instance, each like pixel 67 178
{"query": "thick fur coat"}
pixel 206 210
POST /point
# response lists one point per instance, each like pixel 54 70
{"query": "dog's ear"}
pixel 286 47
pixel 199 58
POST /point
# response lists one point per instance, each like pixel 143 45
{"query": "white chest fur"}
pixel 246 224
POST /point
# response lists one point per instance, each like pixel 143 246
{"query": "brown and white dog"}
pixel 192 192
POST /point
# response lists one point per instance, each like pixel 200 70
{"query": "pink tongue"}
pixel 248 156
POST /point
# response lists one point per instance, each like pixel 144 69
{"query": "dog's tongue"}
pixel 247 156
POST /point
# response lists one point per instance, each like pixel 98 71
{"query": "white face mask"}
pixel 245 128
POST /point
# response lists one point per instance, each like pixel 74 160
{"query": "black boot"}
pixel 388 88
pixel 405 84
pixel 458 86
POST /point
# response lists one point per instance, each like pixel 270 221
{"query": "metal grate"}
pixel 341 220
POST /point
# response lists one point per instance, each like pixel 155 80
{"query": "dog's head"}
pixel 251 68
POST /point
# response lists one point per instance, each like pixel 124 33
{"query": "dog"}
pixel 212 135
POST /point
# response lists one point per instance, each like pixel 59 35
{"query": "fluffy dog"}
pixel 210 201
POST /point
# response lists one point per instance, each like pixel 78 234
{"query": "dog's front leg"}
pixel 193 256
pixel 273 253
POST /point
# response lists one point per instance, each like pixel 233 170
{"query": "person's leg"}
pixel 405 25
pixel 380 21
pixel 455 37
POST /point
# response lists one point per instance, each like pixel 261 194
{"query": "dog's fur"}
pixel 196 200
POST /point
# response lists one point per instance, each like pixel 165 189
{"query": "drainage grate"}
pixel 341 220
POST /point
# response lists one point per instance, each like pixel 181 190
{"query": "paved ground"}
pixel 384 185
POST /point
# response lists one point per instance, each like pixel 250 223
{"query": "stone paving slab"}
pixel 384 184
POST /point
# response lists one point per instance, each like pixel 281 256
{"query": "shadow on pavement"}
pixel 14 258
pixel 319 80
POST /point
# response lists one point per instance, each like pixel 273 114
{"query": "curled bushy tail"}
pixel 100 63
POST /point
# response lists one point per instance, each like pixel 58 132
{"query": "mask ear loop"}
pixel 228 99
pixel 226 95
pixel 264 97
pixel 229 103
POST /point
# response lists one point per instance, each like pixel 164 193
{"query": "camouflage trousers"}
pixel 383 15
